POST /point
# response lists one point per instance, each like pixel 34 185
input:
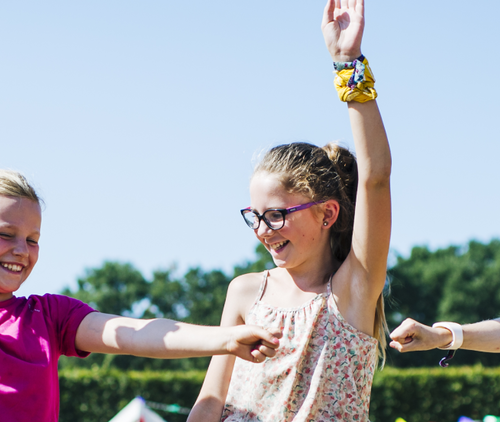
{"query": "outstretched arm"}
pixel 167 339
pixel 343 25
pixel 412 336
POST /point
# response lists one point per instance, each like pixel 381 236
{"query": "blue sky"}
pixel 139 121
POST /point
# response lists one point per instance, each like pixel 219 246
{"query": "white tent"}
pixel 137 411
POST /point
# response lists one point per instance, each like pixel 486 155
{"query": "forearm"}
pixel 167 339
pixel 370 140
pixel 208 409
pixel 482 336
pixel 210 402
pixel 155 338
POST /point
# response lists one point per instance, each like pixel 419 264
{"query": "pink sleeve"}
pixel 66 315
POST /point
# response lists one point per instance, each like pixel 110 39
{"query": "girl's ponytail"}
pixel 346 171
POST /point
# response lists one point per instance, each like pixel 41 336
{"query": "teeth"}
pixel 275 246
pixel 12 267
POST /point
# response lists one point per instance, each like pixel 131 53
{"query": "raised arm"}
pixel 343 25
pixel 167 339
pixel 412 336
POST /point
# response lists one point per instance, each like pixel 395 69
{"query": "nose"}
pixel 263 230
pixel 21 248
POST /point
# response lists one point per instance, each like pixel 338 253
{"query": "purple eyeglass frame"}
pixel 283 211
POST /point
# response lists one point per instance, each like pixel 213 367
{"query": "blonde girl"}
pixel 326 292
pixel 35 331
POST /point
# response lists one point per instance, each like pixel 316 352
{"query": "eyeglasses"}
pixel 274 218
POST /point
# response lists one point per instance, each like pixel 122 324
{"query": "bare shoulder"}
pixel 241 295
pixel 246 284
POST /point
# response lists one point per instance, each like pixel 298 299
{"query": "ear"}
pixel 331 209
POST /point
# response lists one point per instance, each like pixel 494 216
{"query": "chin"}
pixel 279 263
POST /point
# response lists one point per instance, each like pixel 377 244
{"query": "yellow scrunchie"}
pixel 363 92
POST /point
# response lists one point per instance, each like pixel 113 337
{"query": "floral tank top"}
pixel 323 370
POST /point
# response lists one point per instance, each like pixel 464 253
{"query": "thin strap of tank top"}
pixel 329 287
pixel 263 285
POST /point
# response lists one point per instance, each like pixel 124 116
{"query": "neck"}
pixel 313 275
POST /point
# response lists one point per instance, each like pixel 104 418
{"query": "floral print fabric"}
pixel 323 370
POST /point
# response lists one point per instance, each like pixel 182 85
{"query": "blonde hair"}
pixel 15 185
pixel 325 173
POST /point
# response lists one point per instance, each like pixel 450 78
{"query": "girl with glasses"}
pixel 326 221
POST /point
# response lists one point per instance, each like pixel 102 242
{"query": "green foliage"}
pixel 441 395
pixel 118 288
pixel 113 289
pixel 205 295
pixel 98 395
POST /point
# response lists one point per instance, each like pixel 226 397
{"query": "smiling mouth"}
pixel 279 245
pixel 12 267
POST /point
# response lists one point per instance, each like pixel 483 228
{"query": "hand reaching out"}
pixel 412 336
pixel 253 343
pixel 342 26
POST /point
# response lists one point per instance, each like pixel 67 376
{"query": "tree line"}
pixel 457 283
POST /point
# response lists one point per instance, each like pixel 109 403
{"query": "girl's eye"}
pixel 6 235
pixel 33 241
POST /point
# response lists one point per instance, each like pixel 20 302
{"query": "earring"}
pixel 325 223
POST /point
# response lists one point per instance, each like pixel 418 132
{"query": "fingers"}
pixel 360 7
pixel 263 352
pixel 402 347
pixel 403 336
pixel 269 336
pixel 266 347
pixel 257 356
pixel 328 12
pixel 405 330
pixel 411 336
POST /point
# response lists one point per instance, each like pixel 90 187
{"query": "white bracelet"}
pixel 456 331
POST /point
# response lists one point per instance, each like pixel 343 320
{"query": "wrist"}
pixel 348 57
pixel 456 333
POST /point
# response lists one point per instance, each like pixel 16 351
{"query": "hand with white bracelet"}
pixel 412 336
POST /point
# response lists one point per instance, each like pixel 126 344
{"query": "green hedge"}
pixel 417 395
pixel 435 394
pixel 97 395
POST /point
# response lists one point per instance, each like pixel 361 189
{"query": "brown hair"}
pixel 14 184
pixel 325 173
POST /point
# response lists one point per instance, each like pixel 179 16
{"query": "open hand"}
pixel 253 343
pixel 342 26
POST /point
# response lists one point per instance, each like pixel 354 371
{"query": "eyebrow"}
pixel 5 225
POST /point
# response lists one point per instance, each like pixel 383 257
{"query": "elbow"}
pixel 379 176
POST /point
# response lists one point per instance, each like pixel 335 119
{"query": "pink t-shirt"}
pixel 34 332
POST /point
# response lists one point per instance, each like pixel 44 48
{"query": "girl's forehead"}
pixel 20 212
pixel 267 191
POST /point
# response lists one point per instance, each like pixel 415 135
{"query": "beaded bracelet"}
pixel 354 80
